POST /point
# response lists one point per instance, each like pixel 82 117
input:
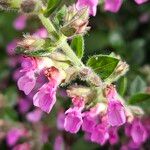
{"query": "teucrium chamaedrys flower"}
pixel 73 120
pixel 45 98
pixel 116 110
pixel 112 5
pixel 91 4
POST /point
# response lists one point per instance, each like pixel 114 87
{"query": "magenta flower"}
pixel 100 134
pixel 116 111
pixel 138 132
pixel 141 1
pixel 41 33
pixel 89 124
pixel 60 120
pixel 59 143
pixel 20 22
pixel 112 5
pixel 14 135
pixel 45 98
pixel 73 120
pixel 24 105
pixel 11 47
pixel 91 4
pixel 27 82
pixel 34 116
pixel 78 102
pixel 113 135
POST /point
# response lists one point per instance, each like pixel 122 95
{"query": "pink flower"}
pixel 73 120
pixel 112 5
pixel 11 47
pixel 141 1
pixel 45 98
pixel 116 111
pixel 100 134
pixel 24 146
pixel 27 82
pixel 42 33
pixel 59 143
pixel 91 4
pixel 34 116
pixel 78 102
pixel 113 135
pixel 20 22
pixel 24 105
pixel 60 120
pixel 138 132
pixel 88 123
pixel 14 135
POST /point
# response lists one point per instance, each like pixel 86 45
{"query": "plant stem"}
pixel 64 46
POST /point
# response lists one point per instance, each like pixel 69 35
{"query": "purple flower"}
pixel 113 135
pixel 138 132
pixel 59 143
pixel 91 4
pixel 11 47
pixel 27 82
pixel 14 135
pixel 141 1
pixel 116 111
pixel 20 22
pixel 34 116
pixel 88 124
pixel 60 120
pixel 73 120
pixel 112 5
pixel 24 105
pixel 45 98
pixel 100 134
pixel 41 33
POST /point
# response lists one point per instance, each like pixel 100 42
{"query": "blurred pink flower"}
pixel 60 120
pixel 34 116
pixel 41 33
pixel 112 5
pixel 113 135
pixel 20 22
pixel 59 143
pixel 91 4
pixel 141 1
pixel 14 135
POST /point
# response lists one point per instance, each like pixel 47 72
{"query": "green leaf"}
pixel 122 86
pixel 9 113
pixel 138 98
pixel 35 53
pixel 77 45
pixel 137 86
pixel 103 65
pixel 52 5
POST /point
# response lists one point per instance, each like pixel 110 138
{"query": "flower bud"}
pixel 137 111
pixel 76 22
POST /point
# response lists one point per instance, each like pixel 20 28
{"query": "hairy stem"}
pixel 64 46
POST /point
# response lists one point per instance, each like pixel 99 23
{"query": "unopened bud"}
pixel 122 68
pixel 28 6
pixel 76 23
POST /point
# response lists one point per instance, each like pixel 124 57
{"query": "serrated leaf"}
pixel 52 5
pixel 138 98
pixel 77 45
pixel 122 86
pixel 137 86
pixel 103 65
